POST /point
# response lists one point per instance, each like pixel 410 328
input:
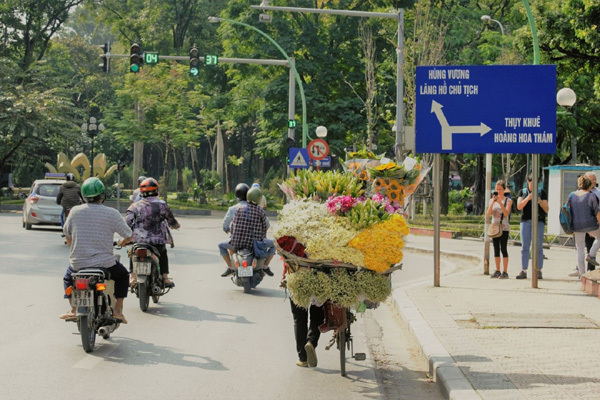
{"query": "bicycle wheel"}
pixel 342 346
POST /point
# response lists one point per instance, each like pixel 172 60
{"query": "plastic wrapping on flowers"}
pixel 330 220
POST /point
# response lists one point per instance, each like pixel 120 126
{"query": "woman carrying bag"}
pixel 499 209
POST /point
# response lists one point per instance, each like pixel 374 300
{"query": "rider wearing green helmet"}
pixel 89 231
pixel 92 189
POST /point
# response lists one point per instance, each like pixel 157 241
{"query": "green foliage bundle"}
pixel 322 185
pixel 343 288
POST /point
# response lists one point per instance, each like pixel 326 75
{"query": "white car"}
pixel 40 206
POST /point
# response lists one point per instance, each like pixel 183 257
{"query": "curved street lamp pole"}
pixel 292 66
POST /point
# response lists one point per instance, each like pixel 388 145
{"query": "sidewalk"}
pixel 501 339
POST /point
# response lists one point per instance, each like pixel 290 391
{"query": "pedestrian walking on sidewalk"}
pixel 585 213
pixel 524 204
pixel 589 240
pixel 499 209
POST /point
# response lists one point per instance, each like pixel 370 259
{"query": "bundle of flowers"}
pixel 356 239
pixel 320 185
pixel 342 287
pixel 396 181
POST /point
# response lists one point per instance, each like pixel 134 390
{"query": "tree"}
pixel 30 25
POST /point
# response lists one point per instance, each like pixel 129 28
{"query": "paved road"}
pixel 206 339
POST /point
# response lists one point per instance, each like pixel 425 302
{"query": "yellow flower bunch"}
pixel 382 243
pixel 386 166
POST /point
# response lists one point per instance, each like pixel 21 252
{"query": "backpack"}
pixel 566 221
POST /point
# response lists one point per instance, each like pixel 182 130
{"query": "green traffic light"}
pixel 134 68
pixel 194 71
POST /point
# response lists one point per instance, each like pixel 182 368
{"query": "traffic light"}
pixel 194 61
pixel 105 57
pixel 135 58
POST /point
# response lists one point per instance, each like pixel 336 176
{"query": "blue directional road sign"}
pixel 324 163
pixel 299 157
pixel 486 109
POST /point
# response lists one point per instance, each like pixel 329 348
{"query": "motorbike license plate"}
pixel 83 298
pixel 141 267
pixel 245 272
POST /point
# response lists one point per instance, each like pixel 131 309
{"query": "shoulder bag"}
pixel 495 228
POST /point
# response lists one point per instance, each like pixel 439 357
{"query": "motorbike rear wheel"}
pixel 88 334
pixel 247 285
pixel 155 298
pixel 143 296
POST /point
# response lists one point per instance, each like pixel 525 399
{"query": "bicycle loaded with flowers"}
pixel 340 240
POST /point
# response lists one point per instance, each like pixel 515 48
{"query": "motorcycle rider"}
pixel 250 226
pixel 68 196
pixel 240 193
pixel 146 218
pixel 135 196
pixel 90 230
pixel 263 200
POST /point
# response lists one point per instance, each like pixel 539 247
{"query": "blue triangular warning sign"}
pixel 299 158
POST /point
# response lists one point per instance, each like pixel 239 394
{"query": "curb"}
pixel 442 367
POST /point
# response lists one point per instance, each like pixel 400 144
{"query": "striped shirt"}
pixel 244 224
pixel 92 228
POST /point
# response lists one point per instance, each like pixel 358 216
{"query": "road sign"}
pixel 486 109
pixel 298 157
pixel 324 163
pixel 318 149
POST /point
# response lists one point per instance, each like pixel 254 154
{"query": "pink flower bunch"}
pixel 340 204
pixel 391 207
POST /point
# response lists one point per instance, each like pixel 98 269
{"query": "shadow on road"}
pixel 137 352
pixel 191 313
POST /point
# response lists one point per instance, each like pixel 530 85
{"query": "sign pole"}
pixel 436 219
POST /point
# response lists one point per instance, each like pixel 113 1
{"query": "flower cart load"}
pixel 339 241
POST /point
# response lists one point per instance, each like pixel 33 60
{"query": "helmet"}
pixel 149 187
pixel 92 187
pixel 141 179
pixel 70 177
pixel 256 185
pixel 254 195
pixel 240 191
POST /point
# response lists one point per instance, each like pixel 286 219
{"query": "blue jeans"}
pixel 526 243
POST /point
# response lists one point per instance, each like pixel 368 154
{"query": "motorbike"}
pixel 149 279
pixel 91 295
pixel 248 269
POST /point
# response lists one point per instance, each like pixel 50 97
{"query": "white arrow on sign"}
pixel 448 130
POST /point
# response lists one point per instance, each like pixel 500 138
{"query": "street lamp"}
pixel 291 63
pixel 566 98
pixel 487 19
pixel 91 130
pixel 321 131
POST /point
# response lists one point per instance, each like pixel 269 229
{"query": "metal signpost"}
pixel 483 109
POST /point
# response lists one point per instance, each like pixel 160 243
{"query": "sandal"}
pixel 168 283
pixel 120 318
pixel 69 315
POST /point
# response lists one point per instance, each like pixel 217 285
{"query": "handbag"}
pixel 259 247
pixel 495 228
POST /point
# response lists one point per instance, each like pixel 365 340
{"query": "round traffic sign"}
pixel 318 149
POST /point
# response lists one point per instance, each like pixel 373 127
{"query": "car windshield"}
pixel 48 190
